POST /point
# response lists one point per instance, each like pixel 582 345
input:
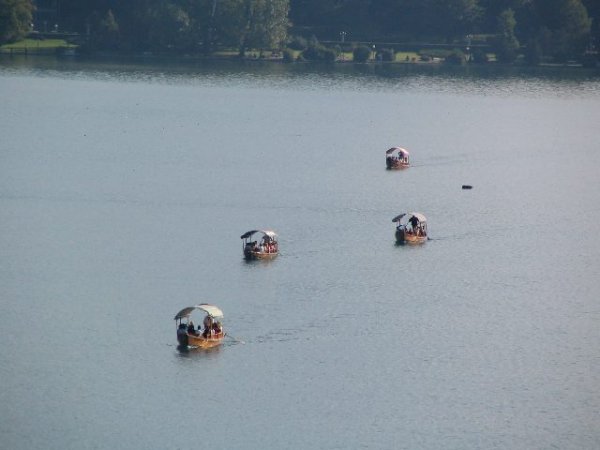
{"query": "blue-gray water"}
pixel 123 193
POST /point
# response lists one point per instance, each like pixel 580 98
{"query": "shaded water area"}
pixel 124 189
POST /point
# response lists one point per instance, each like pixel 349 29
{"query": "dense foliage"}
pixel 15 19
pixel 560 29
pixel 361 53
pixel 506 44
pixel 179 25
pixel 555 28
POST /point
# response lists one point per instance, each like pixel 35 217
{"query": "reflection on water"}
pixel 433 78
pixel 186 351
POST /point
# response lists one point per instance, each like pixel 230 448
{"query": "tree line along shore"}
pixel 529 32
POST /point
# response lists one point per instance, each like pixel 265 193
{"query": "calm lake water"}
pixel 124 190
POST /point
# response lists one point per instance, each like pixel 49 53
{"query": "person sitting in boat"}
pixel 191 329
pixel 208 322
pixel 414 223
pixel 216 327
pixel 181 331
pixel 266 244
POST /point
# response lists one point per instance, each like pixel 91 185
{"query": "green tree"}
pixel 318 52
pixel 454 18
pixel 507 45
pixel 314 12
pixel 456 58
pixel 265 24
pixel 85 15
pixel 361 54
pixel 167 25
pixel 577 25
pixel 108 31
pixel 569 26
pixel 276 23
pixel 480 56
pixel 206 23
pixel 403 19
pixel 533 52
pixel 593 9
pixel 155 24
pixel 15 19
pixel 195 24
pixel 491 10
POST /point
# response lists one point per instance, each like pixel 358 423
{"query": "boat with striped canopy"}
pixel 411 228
pixel 208 335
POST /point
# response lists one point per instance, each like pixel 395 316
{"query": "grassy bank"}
pixel 43 46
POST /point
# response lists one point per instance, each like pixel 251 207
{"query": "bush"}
pixel 288 55
pixel 311 53
pixel 319 52
pixel 456 58
pixel 361 53
pixel 329 54
pixel 533 52
pixel 480 56
pixel 589 60
pixel 387 54
pixel 506 49
pixel 298 43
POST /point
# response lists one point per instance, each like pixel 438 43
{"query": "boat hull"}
pixel 200 341
pixel 407 238
pixel 250 255
pixel 392 165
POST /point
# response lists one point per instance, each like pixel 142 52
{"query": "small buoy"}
pixel 467 186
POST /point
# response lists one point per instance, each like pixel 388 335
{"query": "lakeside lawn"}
pixel 48 46
pixel 37 47
pixel 38 43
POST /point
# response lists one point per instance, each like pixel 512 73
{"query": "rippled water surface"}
pixel 124 189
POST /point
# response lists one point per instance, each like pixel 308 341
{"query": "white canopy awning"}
pixel 397 149
pixel 407 217
pixel 269 233
pixel 210 310
pixel 419 216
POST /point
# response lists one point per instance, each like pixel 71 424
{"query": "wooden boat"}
pixel 397 158
pixel 210 336
pixel 265 245
pixel 411 228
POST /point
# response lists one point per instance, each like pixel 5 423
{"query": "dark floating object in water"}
pixel 467 186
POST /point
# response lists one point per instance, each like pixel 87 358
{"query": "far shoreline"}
pixel 430 56
pixel 126 59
